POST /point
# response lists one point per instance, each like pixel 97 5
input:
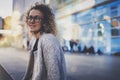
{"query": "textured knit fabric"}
pixel 49 62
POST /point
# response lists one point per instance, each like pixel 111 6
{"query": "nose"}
pixel 32 21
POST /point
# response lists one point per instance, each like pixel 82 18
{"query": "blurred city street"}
pixel 88 32
pixel 14 61
pixel 79 66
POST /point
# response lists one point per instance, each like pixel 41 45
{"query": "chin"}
pixel 32 31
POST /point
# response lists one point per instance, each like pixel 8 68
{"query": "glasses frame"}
pixel 35 19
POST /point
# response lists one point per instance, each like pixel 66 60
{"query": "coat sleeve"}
pixel 51 51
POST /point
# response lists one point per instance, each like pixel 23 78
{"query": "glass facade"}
pixel 100 26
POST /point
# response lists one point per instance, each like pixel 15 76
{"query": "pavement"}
pixel 91 67
pixel 4 75
pixel 79 66
pixel 14 61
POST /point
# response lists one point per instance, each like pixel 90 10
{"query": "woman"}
pixel 46 58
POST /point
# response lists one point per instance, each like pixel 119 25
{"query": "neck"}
pixel 37 35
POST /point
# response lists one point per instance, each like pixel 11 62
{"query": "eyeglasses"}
pixel 34 18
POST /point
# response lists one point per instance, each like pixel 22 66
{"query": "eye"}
pixel 30 17
pixel 38 17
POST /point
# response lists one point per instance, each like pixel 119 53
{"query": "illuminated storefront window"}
pixel 115 30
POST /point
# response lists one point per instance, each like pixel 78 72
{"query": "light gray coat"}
pixel 49 62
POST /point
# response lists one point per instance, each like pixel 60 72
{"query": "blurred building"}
pixel 94 23
pixel 1 23
pixel 23 5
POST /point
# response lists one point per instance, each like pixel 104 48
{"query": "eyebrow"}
pixel 36 15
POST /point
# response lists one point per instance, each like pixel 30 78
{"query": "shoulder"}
pixel 48 36
pixel 49 39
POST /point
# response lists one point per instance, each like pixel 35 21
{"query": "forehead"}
pixel 35 12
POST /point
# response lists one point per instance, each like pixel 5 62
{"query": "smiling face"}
pixel 34 20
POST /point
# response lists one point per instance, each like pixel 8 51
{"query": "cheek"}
pixel 38 25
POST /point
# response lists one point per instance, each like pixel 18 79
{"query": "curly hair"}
pixel 48 23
